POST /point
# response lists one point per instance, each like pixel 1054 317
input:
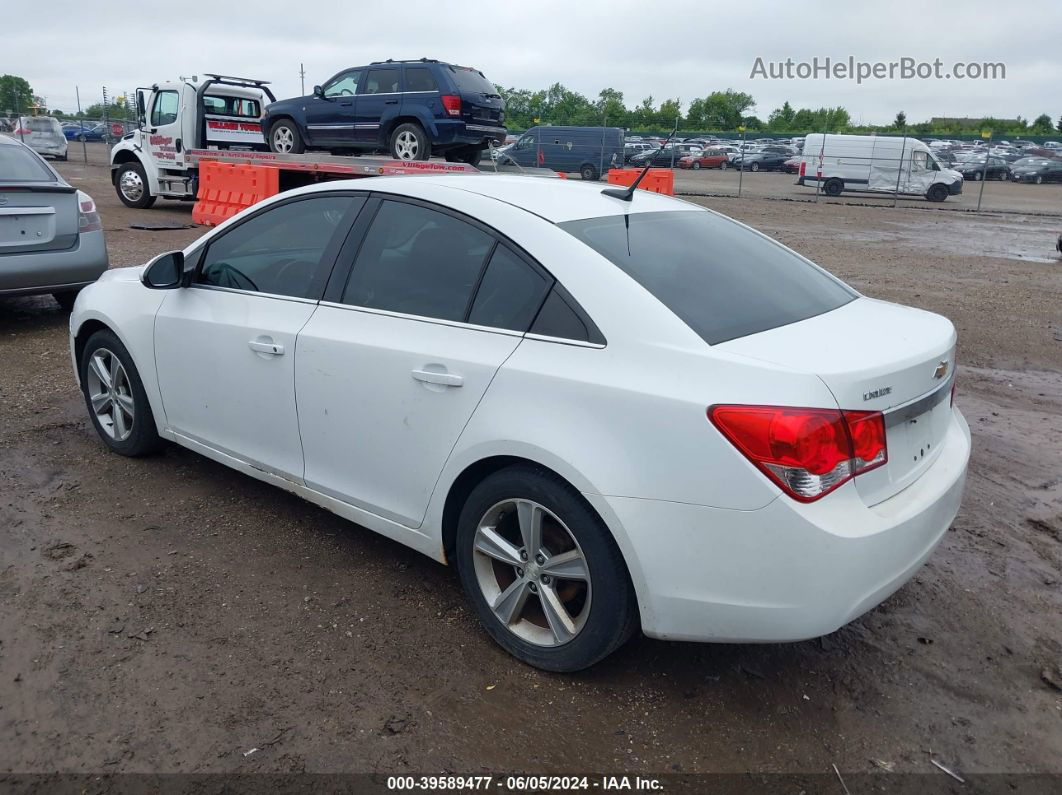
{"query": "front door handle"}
pixel 390 101
pixel 272 348
pixel 434 377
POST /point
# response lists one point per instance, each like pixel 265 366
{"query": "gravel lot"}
pixel 168 614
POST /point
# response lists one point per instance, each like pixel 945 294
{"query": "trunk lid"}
pixel 37 218
pixel 875 356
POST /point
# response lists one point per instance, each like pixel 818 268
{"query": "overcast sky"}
pixel 640 47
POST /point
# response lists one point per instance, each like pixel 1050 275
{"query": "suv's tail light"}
pixel 452 104
pixel 88 220
pixel 808 452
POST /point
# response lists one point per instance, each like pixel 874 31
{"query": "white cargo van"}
pixel 875 164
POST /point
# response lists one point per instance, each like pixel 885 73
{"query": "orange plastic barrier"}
pixel 658 180
pixel 226 188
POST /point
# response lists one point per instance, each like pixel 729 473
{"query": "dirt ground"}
pixel 168 614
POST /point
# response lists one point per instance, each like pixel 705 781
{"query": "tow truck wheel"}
pixel 284 138
pixel 132 186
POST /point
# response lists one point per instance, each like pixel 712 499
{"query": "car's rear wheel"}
pixel 285 138
pixel 1039 180
pixel 696 165
pixel 587 171
pixel 754 167
pixel 833 187
pixel 724 165
pixel 132 186
pixel 115 398
pixel 66 299
pixel 544 574
pixel 409 142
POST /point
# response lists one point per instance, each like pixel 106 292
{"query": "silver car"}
pixel 51 236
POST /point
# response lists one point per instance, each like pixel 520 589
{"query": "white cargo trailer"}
pixel 875 164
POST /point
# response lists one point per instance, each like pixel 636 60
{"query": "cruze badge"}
pixel 879 392
pixel 942 370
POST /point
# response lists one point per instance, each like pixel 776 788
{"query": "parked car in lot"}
pixel 42 134
pixel 668 156
pixel 632 148
pixel 709 158
pixel 51 237
pixel 974 168
pixel 587 151
pixel 73 131
pixel 760 161
pixel 792 165
pixel 412 109
pixel 1036 169
pixel 609 414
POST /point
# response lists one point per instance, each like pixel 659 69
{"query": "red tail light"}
pixel 88 219
pixel 803 168
pixel 808 452
pixel 452 105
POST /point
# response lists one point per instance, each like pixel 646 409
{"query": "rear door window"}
pixel 381 81
pixel 420 78
pixel 509 294
pixel 722 279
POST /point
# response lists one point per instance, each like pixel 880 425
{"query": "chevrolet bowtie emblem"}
pixel 942 370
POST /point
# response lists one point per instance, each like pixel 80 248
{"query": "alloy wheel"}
pixel 532 572
pixel 111 394
pixel 283 140
pixel 406 145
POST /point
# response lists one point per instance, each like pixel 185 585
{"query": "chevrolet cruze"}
pixel 612 413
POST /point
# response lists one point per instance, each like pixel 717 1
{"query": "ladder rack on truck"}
pixel 229 181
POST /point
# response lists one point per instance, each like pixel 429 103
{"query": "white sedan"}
pixel 610 414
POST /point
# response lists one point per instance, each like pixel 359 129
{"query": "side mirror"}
pixel 165 272
pixel 318 92
pixel 140 104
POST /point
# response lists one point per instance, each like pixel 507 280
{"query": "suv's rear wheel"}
pixel 543 572
pixel 285 138
pixel 408 142
pixel 587 171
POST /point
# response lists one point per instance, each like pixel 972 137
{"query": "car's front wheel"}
pixel 285 138
pixel 132 186
pixel 545 576
pixel 115 398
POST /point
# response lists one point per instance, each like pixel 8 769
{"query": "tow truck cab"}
pixel 221 112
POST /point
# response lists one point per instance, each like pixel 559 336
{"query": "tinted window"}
pixel 280 250
pixel 472 81
pixel 20 165
pixel 346 85
pixel 231 106
pixel 419 78
pixel 164 111
pixel 510 293
pixel 381 81
pixel 558 319
pixel 723 280
pixel 417 261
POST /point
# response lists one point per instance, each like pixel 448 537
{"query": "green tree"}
pixel 16 95
pixel 722 110
pixel 610 107
pixel 1041 125
pixel 670 112
pixel 1059 125
pixel 781 119
pixel 901 121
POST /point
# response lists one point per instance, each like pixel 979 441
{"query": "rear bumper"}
pixel 459 133
pixel 37 272
pixel 787 571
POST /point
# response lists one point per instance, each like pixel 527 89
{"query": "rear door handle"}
pixel 390 101
pixel 272 348
pixel 432 377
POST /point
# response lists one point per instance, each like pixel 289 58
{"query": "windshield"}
pixel 721 278
pixel 20 165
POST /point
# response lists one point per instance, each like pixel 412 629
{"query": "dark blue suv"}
pixel 413 109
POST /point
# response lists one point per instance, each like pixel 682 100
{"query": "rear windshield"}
pixel 723 280
pixel 20 165
pixel 472 81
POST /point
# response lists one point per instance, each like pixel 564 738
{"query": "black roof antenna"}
pixel 626 194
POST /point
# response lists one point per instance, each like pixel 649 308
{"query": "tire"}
pixel 285 138
pixel 131 184
pixel 754 167
pixel 724 165
pixel 409 142
pixel 833 187
pixel 696 165
pixel 81 138
pixel 937 193
pixel 132 436
pixel 605 605
pixel 1002 176
pixel 977 176
pixel 588 172
pixel 66 299
pixel 1039 180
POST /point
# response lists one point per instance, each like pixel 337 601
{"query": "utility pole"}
pixel 302 79
pixel 81 121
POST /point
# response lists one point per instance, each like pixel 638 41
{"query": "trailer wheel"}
pixel 937 193
pixel 587 171
pixel 132 186
pixel 833 187
pixel 408 142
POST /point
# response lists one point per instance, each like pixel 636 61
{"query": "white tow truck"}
pixel 185 123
